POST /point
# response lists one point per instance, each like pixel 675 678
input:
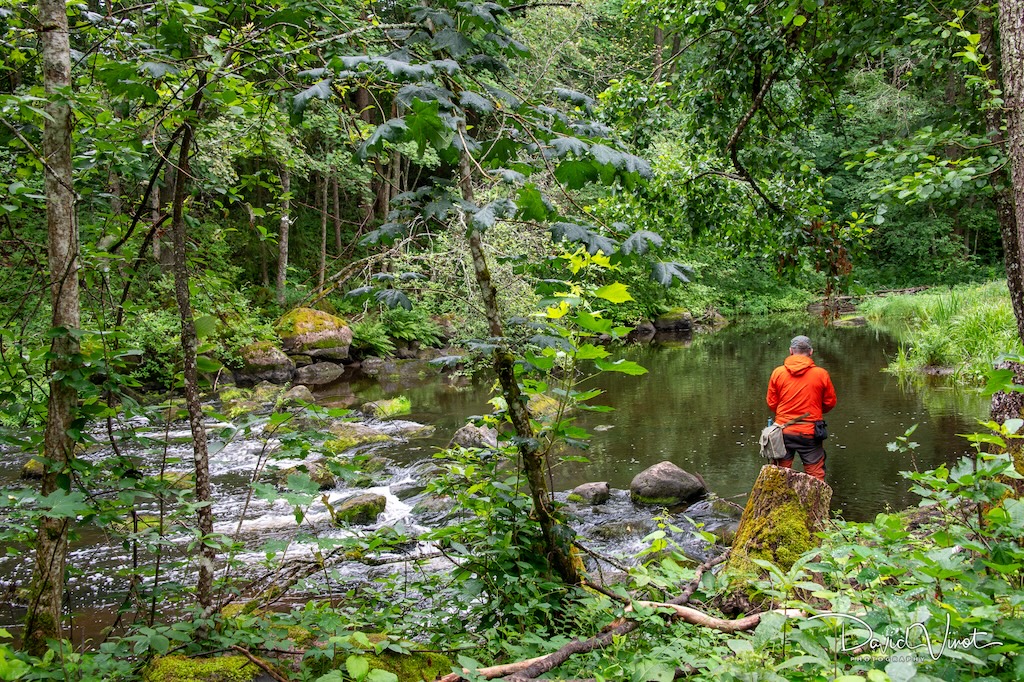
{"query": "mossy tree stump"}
pixel 785 509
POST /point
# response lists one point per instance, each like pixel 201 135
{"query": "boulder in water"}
pixel 473 436
pixel 666 485
pixel 347 435
pixel 295 397
pixel 360 509
pixel 263 361
pixel 318 373
pixel 591 493
pixel 305 331
pixel 676 320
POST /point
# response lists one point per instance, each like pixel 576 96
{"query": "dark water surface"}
pixel 702 406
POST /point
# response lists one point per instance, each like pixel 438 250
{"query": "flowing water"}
pixel 701 406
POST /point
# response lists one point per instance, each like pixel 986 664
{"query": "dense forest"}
pixel 204 205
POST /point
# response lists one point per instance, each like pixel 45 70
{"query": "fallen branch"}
pixel 262 665
pixel 695 617
pixel 523 671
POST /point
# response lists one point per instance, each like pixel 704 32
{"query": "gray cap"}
pixel 801 343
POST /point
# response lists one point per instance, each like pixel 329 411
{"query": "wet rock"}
pixel 622 528
pixel 295 397
pixel 376 367
pixel 360 509
pixel 675 320
pixel 712 319
pixel 591 493
pixel 320 335
pixel 666 485
pixel 644 332
pixel 266 392
pixel 318 373
pixel 434 508
pixel 263 361
pixel 473 436
pixel 347 435
pixel 318 472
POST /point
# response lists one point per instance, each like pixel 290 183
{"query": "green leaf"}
pixel 624 366
pixel 358 667
pixel 591 352
pixel 799 20
pixel 616 293
pixel 378 675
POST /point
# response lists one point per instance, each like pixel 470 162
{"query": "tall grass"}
pixel 965 328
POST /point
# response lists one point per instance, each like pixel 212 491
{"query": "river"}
pixel 701 406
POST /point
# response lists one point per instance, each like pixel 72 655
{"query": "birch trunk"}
pixel 189 343
pixel 43 620
pixel 282 239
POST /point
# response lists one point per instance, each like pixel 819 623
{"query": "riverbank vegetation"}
pixel 272 192
pixel 963 330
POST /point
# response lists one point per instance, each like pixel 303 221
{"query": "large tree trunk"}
pixel 282 239
pixel 784 511
pixel 43 620
pixel 193 403
pixel 1011 36
pixel 559 550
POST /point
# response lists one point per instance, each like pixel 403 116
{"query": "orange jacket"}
pixel 799 386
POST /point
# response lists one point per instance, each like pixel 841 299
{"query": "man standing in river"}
pixel 799 388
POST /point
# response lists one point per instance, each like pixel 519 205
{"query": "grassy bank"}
pixel 962 329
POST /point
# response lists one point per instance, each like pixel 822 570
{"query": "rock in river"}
pixel 305 331
pixel 591 493
pixel 666 485
pixel 360 509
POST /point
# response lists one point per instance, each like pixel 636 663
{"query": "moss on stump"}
pixel 786 508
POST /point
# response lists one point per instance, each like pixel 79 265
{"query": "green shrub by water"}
pixel 963 328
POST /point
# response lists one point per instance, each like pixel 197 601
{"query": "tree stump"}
pixel 785 509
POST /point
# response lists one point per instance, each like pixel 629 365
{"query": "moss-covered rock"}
pixel 675 320
pixel 33 469
pixel 387 409
pixel 184 669
pixel 360 509
pixel 235 402
pixel 305 331
pixel 263 361
pixel 348 435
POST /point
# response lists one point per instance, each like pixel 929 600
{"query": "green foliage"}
pixel 965 328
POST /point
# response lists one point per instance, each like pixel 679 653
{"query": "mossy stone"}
pixel 184 669
pixel 306 331
pixel 347 435
pixel 361 509
pixel 386 409
pixel 33 469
